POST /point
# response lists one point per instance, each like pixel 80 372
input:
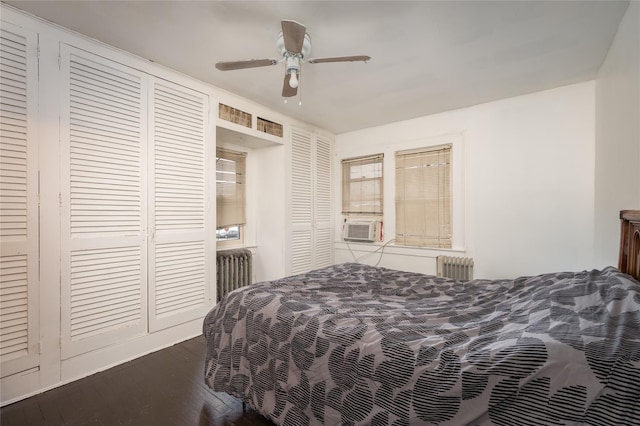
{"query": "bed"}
pixel 355 344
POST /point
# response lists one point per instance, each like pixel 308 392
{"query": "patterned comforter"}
pixel 355 344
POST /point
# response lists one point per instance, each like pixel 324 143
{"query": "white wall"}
pixel 617 168
pixel 527 182
pixel 270 175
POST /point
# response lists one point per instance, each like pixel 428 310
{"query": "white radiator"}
pixel 233 270
pixel 458 268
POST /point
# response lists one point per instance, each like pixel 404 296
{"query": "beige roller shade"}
pixel 230 188
pixel 423 197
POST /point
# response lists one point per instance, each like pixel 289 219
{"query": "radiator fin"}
pixel 457 268
pixel 233 270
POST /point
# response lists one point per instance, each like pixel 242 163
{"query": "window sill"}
pixel 219 247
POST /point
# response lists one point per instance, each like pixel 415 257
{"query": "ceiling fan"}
pixel 293 44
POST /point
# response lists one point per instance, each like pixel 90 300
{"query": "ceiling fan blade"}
pixel 240 65
pixel 340 59
pixel 293 34
pixel 287 90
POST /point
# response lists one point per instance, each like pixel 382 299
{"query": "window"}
pixel 228 233
pixel 230 194
pixel 362 185
pixel 423 197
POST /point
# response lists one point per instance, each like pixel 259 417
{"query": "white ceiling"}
pixel 427 56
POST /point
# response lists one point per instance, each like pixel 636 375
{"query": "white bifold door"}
pixel 311 238
pixel 178 271
pixel 134 192
pixel 19 233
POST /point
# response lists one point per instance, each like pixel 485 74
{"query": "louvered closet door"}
pixel 301 201
pixel 19 304
pixel 178 250
pixel 311 230
pixel 323 225
pixel 103 209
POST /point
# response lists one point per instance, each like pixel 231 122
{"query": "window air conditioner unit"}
pixel 365 231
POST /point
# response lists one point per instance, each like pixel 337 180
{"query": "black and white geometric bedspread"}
pixel 354 344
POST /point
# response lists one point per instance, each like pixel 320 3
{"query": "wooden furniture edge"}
pixel 629 256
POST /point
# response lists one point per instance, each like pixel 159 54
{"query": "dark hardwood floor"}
pixel 163 388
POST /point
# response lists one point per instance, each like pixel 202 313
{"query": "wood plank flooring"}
pixel 163 388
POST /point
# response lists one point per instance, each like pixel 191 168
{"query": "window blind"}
pixel 230 188
pixel 423 197
pixel 362 180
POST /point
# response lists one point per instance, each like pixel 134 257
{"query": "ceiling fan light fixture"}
pixel 293 80
pixel 293 69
